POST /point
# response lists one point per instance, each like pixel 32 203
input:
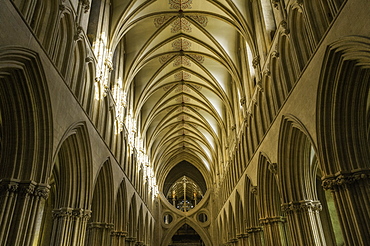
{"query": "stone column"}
pixel 21 206
pixel 304 222
pixel 69 226
pixel 99 233
pixel 255 235
pixel 274 230
pixel 351 192
pixel 118 238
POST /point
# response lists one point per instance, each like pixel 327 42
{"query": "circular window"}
pixel 167 219
pixel 202 217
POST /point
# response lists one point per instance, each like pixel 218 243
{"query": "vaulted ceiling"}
pixel 184 67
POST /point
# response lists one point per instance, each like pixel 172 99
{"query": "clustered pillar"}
pixel 69 226
pixel 303 219
pixel 274 230
pixel 22 203
pixel 351 192
pixel 119 238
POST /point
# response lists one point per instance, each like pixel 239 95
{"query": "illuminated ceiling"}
pixel 183 63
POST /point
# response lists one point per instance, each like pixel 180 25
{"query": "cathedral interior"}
pixel 184 122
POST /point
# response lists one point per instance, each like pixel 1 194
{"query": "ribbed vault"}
pixel 182 76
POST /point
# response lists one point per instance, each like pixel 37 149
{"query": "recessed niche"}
pixel 167 219
pixel 202 217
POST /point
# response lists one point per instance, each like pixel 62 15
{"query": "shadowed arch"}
pixel 101 222
pixel 25 116
pixel 202 233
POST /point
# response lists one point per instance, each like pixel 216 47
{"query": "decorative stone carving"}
pixel 267 72
pixel 181 44
pixel 270 220
pixel 180 4
pixel 333 182
pixel 254 229
pixel 182 76
pixel 201 19
pixel 181 25
pixel 119 233
pixel 159 21
pixel 42 191
pixel 85 5
pixel 256 61
pixel 284 26
pixel 197 58
pixel 9 186
pixel 301 206
pixel 275 3
pixel 254 190
pixel 78 33
pixel 165 58
pixel 101 225
pixel 273 168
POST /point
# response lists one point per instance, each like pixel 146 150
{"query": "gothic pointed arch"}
pixel 132 220
pixel 343 130
pixel 269 201
pixel 25 116
pixel 71 192
pixel 298 172
pixel 25 140
pixel 202 233
pixel 102 207
pixel 252 215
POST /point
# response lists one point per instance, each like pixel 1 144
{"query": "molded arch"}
pixel 298 177
pixel 202 233
pixel 343 106
pixel 73 159
pixel 103 199
pixel 25 110
pixel 121 209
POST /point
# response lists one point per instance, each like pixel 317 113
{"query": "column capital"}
pixel 345 178
pixel 301 206
pixel 101 225
pixel 254 229
pixel 270 220
pixel 242 235
pixel 25 187
pixel 130 239
pixel 119 233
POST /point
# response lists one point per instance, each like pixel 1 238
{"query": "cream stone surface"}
pixel 184 122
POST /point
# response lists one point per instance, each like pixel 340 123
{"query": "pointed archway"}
pixel 195 231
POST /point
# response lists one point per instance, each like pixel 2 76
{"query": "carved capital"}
pixel 101 225
pixel 267 72
pixel 42 191
pixel 344 179
pixel 275 54
pixel 85 5
pixel 78 32
pixel 130 239
pixel 242 101
pixel 273 168
pixel 65 213
pixel 254 190
pixel 275 3
pixel 301 206
pixel 256 61
pixel 284 26
pixel 27 188
pixel 271 220
pixel 9 186
pixel 254 229
pixel 119 233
